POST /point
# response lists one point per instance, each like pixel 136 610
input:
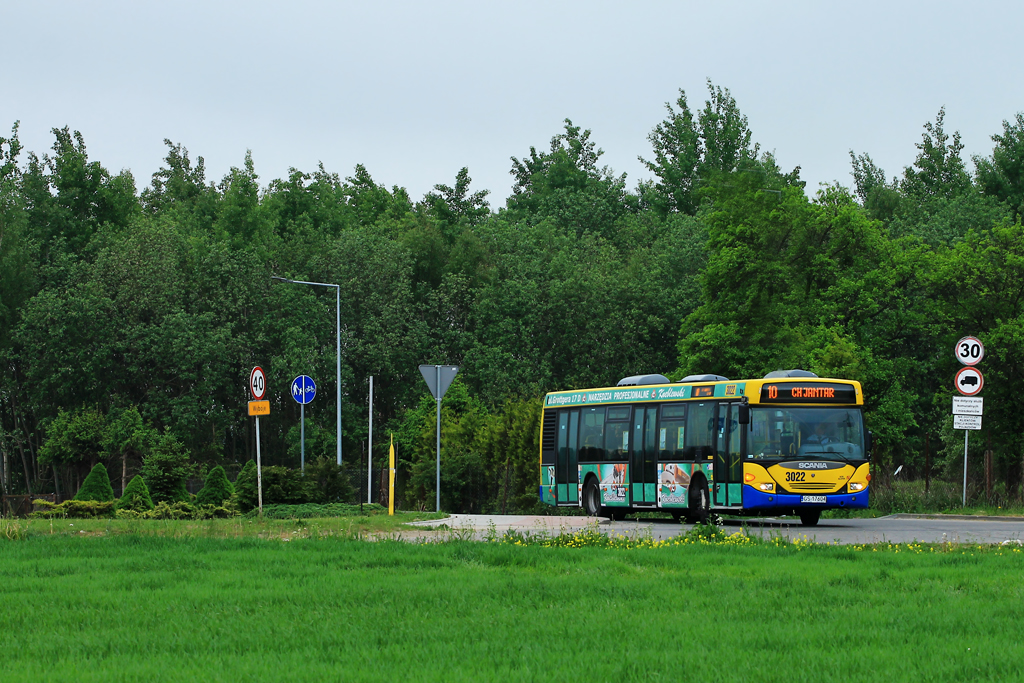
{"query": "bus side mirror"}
pixel 743 414
pixel 867 445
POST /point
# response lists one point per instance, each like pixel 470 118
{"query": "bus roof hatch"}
pixel 782 374
pixel 636 380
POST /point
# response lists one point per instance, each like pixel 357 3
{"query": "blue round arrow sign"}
pixel 303 389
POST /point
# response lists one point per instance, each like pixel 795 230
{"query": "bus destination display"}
pixel 808 392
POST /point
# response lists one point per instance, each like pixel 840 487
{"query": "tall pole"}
pixel 259 468
pixel 369 454
pixel 927 464
pixel 437 383
pixel 337 332
pixel 966 433
pixel 337 336
pixel 302 430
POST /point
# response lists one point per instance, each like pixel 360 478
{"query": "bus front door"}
pixel 727 489
pixel 566 471
pixel 643 462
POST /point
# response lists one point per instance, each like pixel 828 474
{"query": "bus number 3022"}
pixel 795 476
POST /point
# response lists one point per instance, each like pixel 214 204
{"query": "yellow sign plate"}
pixel 259 407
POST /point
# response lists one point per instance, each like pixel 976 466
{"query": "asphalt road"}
pixel 894 528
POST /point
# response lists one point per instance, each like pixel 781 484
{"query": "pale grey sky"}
pixel 417 90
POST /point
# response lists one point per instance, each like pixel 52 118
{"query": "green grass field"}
pixel 142 606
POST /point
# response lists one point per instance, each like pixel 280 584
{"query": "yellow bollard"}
pixel 391 478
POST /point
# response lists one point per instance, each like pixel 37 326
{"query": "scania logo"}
pixel 813 465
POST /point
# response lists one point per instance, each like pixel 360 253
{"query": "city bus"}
pixel 791 443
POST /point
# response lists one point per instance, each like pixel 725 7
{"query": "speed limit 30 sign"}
pixel 969 351
pixel 258 383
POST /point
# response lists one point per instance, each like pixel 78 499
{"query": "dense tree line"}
pixel 130 319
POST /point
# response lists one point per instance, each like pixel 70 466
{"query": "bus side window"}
pixel 592 435
pixel 700 431
pixel 672 432
pixel 616 433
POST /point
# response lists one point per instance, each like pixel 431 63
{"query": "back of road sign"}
pixel 431 375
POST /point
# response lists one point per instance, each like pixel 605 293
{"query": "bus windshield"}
pixel 824 433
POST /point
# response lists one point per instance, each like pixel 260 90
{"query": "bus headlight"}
pixel 855 486
pixel 767 486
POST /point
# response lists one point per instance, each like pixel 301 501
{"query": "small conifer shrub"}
pixel 136 496
pixel 281 485
pixel 217 488
pixel 96 486
pixel 165 469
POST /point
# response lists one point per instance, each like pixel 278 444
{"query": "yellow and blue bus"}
pixel 791 443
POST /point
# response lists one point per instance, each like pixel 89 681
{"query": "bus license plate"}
pixel 812 499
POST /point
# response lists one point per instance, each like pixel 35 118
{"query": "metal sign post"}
pixel 259 469
pixel 969 382
pixel 369 452
pixel 258 387
pixel 438 378
pixel 437 489
pixel 963 502
pixel 303 391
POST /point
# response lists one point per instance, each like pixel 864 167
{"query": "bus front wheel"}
pixel 699 511
pixel 592 498
pixel 810 517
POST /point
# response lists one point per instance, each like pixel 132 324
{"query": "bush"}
pixel 326 482
pixel 136 496
pixel 311 510
pixel 96 486
pixel 188 511
pixel 179 510
pixel 217 488
pixel 83 509
pixel 910 496
pixel 281 485
pixel 245 487
pixel 165 470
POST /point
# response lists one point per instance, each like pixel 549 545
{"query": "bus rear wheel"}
pixel 810 517
pixel 699 511
pixel 592 498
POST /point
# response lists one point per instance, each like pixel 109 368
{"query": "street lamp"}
pixel 337 331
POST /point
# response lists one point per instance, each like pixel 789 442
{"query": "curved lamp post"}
pixel 337 332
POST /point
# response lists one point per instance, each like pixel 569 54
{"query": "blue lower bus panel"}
pixel 759 500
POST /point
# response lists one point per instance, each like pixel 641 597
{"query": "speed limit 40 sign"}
pixel 969 351
pixel 258 383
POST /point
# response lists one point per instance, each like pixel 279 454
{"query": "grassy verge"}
pixel 942 497
pixel 236 527
pixel 134 606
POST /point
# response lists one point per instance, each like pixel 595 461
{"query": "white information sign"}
pixel 972 422
pixel 969 351
pixel 964 405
